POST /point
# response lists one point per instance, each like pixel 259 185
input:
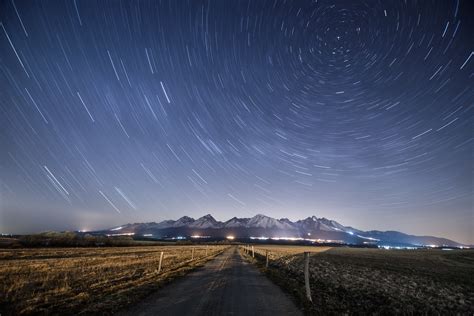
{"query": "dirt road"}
pixel 227 285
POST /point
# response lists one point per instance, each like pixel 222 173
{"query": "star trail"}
pixel 132 111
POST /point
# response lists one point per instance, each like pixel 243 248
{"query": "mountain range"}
pixel 262 227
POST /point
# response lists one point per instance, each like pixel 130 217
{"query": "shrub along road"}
pixel 227 285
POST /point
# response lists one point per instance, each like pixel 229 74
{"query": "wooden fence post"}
pixel 306 276
pixel 206 249
pixel 192 254
pixel 253 252
pixel 159 265
pixel 266 259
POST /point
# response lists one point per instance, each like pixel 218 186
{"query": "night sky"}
pixel 130 111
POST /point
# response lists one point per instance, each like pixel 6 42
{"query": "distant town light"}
pixel 124 234
pixel 230 237
pixel 299 239
pixel 397 247
pixel 259 238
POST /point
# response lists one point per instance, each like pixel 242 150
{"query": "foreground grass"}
pixel 373 281
pixel 89 280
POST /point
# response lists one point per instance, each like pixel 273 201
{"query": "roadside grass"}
pixel 89 280
pixel 374 281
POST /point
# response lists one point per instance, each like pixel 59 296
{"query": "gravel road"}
pixel 227 285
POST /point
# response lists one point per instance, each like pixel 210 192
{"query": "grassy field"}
pixel 376 281
pixel 276 251
pixel 89 280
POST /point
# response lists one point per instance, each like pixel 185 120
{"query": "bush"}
pixel 71 239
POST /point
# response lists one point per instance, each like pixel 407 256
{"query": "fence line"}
pixel 214 249
pixel 159 265
pixel 306 276
pixel 264 254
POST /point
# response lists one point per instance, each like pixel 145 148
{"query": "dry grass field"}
pixel 376 281
pixel 278 251
pixel 89 280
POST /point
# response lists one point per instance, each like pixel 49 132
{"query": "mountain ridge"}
pixel 263 226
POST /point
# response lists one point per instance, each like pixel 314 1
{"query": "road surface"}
pixel 226 285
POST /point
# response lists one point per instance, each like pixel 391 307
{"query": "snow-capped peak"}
pixel 236 222
pixel 183 221
pixel 207 221
pixel 264 221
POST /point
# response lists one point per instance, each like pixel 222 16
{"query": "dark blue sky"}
pixel 124 111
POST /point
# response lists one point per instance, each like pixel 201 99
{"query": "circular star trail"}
pixel 116 111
